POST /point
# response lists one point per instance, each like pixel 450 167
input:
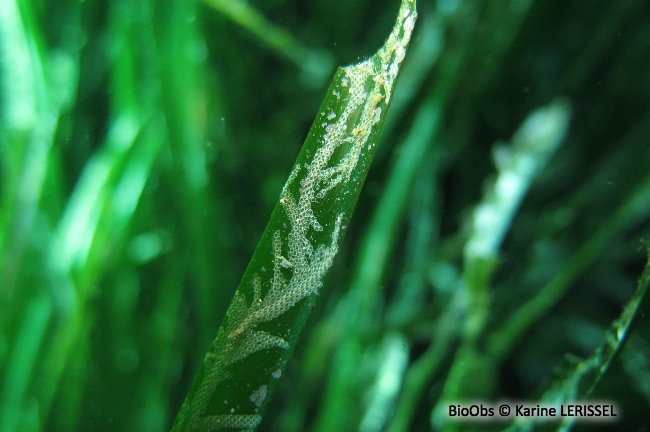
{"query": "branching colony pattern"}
pixel 365 90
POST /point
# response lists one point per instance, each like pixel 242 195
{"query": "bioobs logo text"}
pixel 477 411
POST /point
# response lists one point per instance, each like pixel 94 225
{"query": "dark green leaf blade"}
pixel 280 285
pixel 578 378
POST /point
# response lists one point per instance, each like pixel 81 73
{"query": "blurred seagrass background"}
pixel 502 229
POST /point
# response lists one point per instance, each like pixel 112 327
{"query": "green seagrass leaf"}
pixel 576 379
pixel 285 274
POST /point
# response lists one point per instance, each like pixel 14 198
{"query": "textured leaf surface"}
pixel 578 378
pixel 299 244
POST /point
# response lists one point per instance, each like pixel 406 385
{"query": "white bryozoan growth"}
pixel 365 90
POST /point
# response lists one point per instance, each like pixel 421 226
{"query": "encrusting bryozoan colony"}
pixel 364 92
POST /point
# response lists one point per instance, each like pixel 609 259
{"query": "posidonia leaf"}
pixel 279 287
pixel 578 378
